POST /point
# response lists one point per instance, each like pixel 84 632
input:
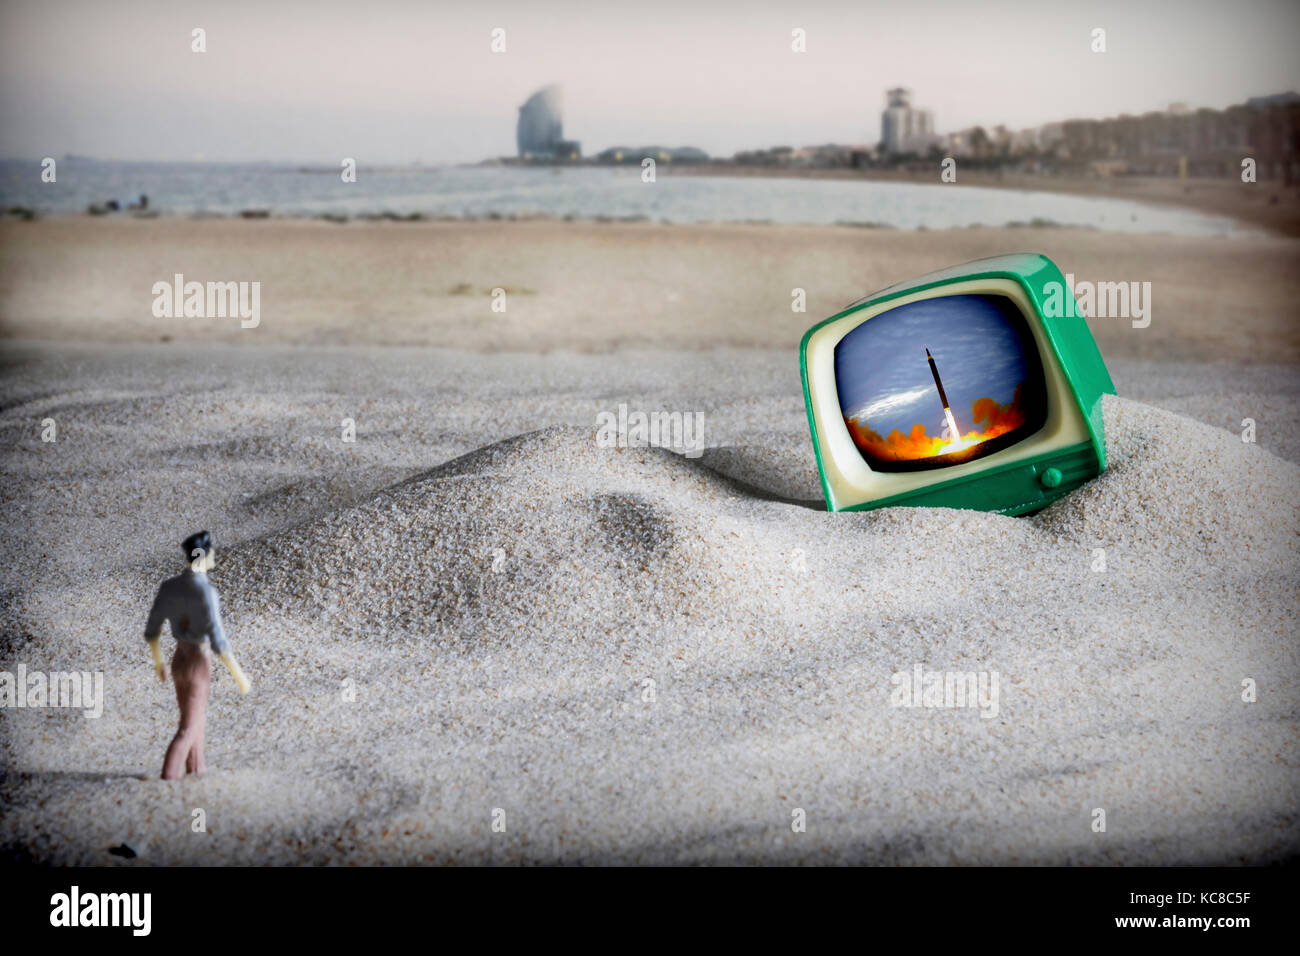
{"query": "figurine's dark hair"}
pixel 195 542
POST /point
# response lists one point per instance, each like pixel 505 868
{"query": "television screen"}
pixel 940 382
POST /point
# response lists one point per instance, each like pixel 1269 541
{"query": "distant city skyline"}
pixel 398 82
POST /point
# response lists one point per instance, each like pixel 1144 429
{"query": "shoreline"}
pixel 262 214
pixel 1266 204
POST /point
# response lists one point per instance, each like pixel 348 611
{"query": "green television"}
pixel 970 387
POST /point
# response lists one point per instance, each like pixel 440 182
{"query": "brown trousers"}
pixel 192 672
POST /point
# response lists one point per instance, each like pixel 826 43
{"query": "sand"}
pixel 594 287
pixel 451 621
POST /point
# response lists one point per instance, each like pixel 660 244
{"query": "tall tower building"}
pixel 540 133
pixel 902 128
pixel 540 129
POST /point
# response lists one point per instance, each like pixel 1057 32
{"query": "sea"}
pixel 593 193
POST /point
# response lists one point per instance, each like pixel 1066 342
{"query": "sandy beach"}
pixel 473 612
pixel 598 286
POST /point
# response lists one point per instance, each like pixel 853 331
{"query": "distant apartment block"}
pixel 904 129
pixel 1178 141
pixel 1202 142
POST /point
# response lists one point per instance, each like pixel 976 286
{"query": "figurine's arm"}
pixel 159 667
pixel 222 646
pixel 152 632
pixel 241 679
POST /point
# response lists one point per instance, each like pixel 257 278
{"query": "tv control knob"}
pixel 1051 478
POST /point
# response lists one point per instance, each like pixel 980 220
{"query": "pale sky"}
pixel 392 81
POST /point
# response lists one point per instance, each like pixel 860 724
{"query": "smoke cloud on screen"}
pixel 997 419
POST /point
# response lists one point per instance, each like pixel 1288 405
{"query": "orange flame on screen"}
pixel 997 419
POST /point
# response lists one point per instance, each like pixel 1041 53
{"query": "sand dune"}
pixel 495 618
pixel 568 525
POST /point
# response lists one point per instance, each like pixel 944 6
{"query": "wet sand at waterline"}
pixel 456 617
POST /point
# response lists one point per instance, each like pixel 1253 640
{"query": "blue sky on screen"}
pixel 884 379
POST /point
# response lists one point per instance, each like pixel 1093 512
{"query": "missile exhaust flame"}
pixel 952 430
pixel 955 442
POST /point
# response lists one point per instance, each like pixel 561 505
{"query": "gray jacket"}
pixel 189 603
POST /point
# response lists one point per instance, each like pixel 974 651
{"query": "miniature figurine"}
pixel 189 603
